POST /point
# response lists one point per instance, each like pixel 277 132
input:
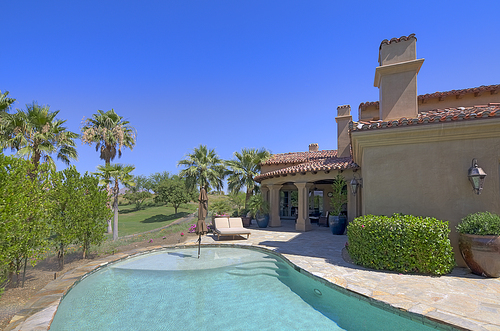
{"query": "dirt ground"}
pixel 14 299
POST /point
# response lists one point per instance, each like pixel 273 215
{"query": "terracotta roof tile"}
pixel 302 162
pixel 480 89
pixel 299 157
pixel 433 116
pixel 364 105
pixel 397 40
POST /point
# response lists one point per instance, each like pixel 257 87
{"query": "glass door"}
pixel 315 203
pixel 288 203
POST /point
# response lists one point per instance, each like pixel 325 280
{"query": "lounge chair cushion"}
pixel 230 227
pixel 221 223
pixel 235 222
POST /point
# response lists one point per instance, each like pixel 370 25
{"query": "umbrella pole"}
pixel 199 246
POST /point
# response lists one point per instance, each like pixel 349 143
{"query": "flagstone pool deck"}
pixel 459 300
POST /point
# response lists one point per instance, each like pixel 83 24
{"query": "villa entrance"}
pixel 289 202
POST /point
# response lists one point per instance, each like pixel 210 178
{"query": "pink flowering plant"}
pixel 192 228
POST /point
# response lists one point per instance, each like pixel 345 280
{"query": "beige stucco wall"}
pixel 398 96
pixel 396 52
pixel 422 170
pixel 368 113
pixel 343 140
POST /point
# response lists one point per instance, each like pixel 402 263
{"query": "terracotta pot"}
pixel 481 254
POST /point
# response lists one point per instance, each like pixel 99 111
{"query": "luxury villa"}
pixel 407 153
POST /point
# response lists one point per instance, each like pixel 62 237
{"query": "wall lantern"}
pixel 476 177
pixel 355 182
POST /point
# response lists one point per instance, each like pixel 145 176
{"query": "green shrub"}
pixel 481 223
pixel 220 207
pixel 401 243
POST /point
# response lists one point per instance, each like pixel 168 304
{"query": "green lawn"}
pixel 131 221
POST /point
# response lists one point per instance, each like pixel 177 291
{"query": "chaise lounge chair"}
pixel 230 226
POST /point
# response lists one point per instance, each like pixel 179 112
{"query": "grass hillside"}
pixel 131 221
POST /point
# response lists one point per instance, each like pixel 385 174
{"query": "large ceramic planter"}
pixel 481 254
pixel 247 221
pixel 262 220
pixel 337 224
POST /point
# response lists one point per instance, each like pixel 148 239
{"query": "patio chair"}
pixel 323 219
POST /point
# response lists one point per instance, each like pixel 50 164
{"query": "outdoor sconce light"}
pixel 476 177
pixel 355 182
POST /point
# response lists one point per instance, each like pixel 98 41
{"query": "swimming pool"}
pixel 226 289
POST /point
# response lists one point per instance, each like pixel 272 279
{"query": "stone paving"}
pixel 459 300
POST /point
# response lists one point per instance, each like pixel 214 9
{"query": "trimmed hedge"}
pixel 402 243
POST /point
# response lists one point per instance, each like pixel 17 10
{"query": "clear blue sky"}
pixel 230 74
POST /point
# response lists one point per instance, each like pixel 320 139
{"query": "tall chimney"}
pixel 396 78
pixel 343 142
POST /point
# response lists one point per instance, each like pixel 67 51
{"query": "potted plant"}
pixel 336 220
pixel 479 243
pixel 259 210
pixel 246 217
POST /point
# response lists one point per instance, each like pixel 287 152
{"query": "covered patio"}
pixel 298 185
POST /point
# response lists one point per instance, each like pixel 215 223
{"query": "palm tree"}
pixel 243 169
pixel 109 133
pixel 204 169
pixel 5 102
pixel 114 174
pixel 36 133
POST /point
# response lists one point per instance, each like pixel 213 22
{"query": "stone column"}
pixel 303 223
pixel 274 205
pixel 264 190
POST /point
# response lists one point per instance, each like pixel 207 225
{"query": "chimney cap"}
pixel 397 40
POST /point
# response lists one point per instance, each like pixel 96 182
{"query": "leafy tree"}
pixel 109 132
pixel 173 191
pixel 24 214
pixel 94 212
pixel 5 101
pixel 137 198
pixel 244 168
pixel 138 192
pixel 156 179
pixel 113 175
pixel 36 133
pixel 80 211
pixel 204 168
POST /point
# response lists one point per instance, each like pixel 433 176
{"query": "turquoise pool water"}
pixel 226 289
